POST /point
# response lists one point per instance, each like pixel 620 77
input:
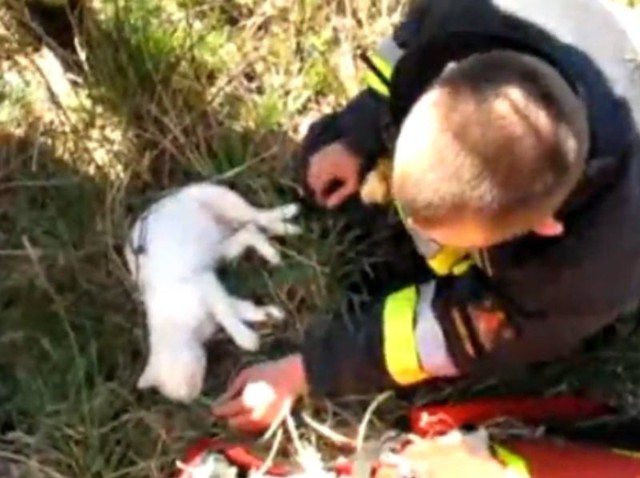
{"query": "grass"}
pixel 153 94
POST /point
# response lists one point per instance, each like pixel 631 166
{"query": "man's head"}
pixel 490 151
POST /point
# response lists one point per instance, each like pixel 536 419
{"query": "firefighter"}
pixel 512 126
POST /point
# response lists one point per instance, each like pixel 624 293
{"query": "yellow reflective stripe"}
pixel 628 453
pixel 461 267
pixel 372 79
pixel 448 261
pixel 515 463
pixel 400 346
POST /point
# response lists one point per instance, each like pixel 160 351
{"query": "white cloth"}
pixel 432 346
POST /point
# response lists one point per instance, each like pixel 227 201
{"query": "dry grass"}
pixel 152 94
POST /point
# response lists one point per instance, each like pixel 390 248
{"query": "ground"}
pixel 98 117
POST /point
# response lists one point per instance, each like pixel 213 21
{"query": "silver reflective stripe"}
pixel 390 51
pixel 432 347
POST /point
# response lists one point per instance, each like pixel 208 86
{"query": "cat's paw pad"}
pixel 274 312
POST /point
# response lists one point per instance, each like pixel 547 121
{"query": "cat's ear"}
pixel 147 379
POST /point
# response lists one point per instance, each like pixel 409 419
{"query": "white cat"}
pixel 173 250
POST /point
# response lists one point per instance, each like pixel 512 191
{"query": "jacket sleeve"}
pixel 456 325
pixel 377 349
pixel 362 124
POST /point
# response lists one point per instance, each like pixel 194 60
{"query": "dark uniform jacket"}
pixel 520 302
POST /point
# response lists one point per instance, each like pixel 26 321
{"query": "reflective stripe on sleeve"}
pixel 400 347
pixel 432 346
pixel 516 465
pixel 415 348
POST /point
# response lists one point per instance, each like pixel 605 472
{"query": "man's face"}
pixel 475 233
pixel 462 234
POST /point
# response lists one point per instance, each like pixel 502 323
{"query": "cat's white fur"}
pixel 183 237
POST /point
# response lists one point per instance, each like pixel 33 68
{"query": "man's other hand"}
pixel 333 175
pixel 258 395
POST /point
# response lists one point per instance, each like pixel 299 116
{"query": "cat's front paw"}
pixel 247 340
pixel 289 229
pixel 289 211
pixel 274 312
pixel 276 221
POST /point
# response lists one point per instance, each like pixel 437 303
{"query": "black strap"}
pixel 374 69
pixel 139 247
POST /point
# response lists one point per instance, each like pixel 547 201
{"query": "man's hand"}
pixel 258 394
pixel 333 175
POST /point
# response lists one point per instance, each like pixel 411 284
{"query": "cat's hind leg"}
pixel 251 312
pixel 250 236
pixel 221 305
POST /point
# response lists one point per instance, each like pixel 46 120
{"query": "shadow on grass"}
pixel 67 336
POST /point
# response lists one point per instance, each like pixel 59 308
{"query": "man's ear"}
pixel 549 227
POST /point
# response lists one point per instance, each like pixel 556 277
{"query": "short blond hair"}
pixel 500 135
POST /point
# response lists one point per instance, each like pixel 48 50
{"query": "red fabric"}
pixel 440 419
pixel 547 459
pixel 238 455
